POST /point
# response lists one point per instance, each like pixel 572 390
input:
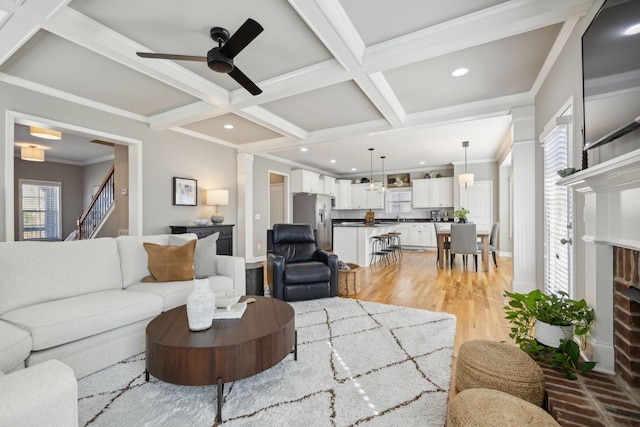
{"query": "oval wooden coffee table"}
pixel 230 350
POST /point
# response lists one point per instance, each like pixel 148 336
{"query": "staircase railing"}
pixel 92 216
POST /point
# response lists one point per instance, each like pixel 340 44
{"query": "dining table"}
pixel 444 234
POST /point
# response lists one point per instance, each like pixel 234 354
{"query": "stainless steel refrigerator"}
pixel 315 209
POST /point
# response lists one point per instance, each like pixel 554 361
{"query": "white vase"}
pixel 550 335
pixel 201 303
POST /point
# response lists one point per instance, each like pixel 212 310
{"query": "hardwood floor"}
pixel 476 299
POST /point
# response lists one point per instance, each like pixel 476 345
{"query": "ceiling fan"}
pixel 220 58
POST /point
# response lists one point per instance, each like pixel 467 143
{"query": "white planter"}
pixel 201 304
pixel 550 335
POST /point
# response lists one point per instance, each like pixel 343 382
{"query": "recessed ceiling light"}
pixel 228 126
pixel 304 149
pixel 634 29
pixel 460 72
pixel 332 160
pixel 422 163
pixel 354 169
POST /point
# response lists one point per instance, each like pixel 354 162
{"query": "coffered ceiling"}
pixel 338 76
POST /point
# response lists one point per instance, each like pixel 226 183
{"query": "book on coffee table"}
pixel 236 312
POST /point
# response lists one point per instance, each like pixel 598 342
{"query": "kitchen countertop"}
pixel 381 222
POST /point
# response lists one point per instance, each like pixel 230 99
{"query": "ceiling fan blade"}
pixel 170 56
pixel 244 81
pixel 241 38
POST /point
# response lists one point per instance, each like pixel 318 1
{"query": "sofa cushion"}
pixel 168 263
pixel 205 255
pixel 15 346
pixel 306 272
pixel 35 272
pixel 175 294
pixel 134 258
pixel 61 321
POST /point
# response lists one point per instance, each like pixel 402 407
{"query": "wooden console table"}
pixel 225 239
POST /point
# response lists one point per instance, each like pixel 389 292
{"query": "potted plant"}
pixel 547 324
pixel 461 214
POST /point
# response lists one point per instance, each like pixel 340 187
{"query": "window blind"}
pixel 40 210
pixel 557 213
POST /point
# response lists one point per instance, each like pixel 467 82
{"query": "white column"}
pixel 524 199
pixel 598 275
pixel 245 205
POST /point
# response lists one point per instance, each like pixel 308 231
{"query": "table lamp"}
pixel 217 198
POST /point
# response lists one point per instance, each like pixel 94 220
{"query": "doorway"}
pixel 134 152
pixel 278 198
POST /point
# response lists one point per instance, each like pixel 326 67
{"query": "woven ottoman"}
pixel 499 366
pixel 479 407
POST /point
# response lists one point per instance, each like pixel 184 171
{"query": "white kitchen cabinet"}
pixel 420 193
pixel 358 196
pixel 303 181
pixel 375 199
pixel 440 192
pixel 363 199
pixel 432 193
pixel 405 235
pixel 343 198
pixel 329 185
pixel 420 235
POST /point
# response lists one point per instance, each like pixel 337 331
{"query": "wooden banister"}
pixel 98 207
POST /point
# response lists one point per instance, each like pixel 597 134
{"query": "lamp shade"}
pixel 218 197
pixel 465 179
pixel 45 133
pixel 32 153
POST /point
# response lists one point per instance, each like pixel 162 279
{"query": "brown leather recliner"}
pixel 296 267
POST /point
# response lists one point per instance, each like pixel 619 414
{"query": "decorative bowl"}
pixel 200 221
pixel 227 299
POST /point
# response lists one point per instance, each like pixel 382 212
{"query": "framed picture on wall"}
pixel 185 191
pixel 398 180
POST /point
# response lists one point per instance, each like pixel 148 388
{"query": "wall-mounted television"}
pixel 611 73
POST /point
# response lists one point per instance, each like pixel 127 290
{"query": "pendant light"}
pixel 382 188
pixel 465 178
pixel 374 186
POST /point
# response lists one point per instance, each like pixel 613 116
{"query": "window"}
pixel 40 214
pixel 398 202
pixel 558 209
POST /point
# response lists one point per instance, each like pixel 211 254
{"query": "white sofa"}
pixel 43 395
pixel 84 302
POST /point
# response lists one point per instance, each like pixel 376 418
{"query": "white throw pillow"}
pixel 205 254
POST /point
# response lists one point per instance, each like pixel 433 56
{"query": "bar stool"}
pixel 377 250
pixel 386 241
pixel 395 243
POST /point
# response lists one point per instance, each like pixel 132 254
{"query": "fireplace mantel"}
pixel 617 174
pixel 611 213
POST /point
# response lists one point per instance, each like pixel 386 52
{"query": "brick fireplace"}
pixel 626 314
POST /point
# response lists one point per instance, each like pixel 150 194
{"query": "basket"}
pixel 349 280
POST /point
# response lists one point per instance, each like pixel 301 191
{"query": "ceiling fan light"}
pixel 32 153
pixel 45 133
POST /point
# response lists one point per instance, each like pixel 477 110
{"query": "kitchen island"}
pixel 352 241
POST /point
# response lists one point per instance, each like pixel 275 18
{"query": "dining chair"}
pixel 447 244
pixel 464 241
pixel 493 242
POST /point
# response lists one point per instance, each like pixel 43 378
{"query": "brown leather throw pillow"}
pixel 170 263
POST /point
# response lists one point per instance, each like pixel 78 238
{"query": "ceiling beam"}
pixel 501 21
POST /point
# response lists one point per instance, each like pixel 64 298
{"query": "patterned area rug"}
pixel 359 363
